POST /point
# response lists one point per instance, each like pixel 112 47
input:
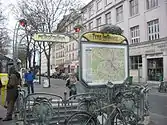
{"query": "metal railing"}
pixel 48 109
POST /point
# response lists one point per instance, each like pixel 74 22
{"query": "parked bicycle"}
pixel 42 111
pixel 19 106
pixel 83 117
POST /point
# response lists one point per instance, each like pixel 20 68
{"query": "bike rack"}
pixel 63 106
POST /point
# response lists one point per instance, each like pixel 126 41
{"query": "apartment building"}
pixel 43 63
pixel 67 54
pixel 60 54
pixel 144 24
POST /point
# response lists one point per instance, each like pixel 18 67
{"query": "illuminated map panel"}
pixel 104 62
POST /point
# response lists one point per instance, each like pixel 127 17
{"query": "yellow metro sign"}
pixel 104 37
pixel 49 37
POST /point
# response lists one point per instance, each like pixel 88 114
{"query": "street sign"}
pixel 49 37
pixel 99 37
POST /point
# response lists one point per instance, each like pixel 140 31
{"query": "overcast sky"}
pixel 8 13
pixel 10 18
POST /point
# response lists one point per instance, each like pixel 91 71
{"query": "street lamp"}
pixel 19 23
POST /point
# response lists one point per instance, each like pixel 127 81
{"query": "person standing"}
pixel 12 92
pixel 29 77
pixel 0 92
pixel 70 83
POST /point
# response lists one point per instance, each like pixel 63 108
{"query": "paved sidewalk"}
pixel 57 87
pixel 2 115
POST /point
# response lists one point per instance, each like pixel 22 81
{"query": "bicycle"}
pixel 93 118
pixel 42 111
pixel 19 106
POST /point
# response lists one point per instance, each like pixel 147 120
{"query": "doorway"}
pixel 155 68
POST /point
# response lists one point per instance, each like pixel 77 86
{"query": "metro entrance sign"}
pixel 104 37
pixel 49 37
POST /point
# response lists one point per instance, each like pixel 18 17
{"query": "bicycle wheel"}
pixel 81 118
pixel 42 112
pixel 118 118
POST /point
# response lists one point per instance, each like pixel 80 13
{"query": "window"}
pixel 91 10
pixel 108 2
pixel 134 7
pixel 98 23
pixel 108 18
pixel 90 25
pixel 119 14
pixel 69 47
pixel 135 34
pixel 84 15
pixel 151 3
pixel 99 5
pixel 136 62
pixel 73 46
pixel 72 56
pixel 153 29
pixel 69 56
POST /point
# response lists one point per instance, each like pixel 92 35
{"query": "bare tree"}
pixel 4 41
pixel 44 15
pixel 4 37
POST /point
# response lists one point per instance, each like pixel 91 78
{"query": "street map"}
pixel 105 64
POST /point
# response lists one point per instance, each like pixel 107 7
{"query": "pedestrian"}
pixel 12 92
pixel 160 75
pixel 70 83
pixel 29 77
pixel 0 91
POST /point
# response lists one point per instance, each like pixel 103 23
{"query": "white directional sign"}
pixel 49 37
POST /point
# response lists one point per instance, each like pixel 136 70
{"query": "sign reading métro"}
pixel 49 37
pixel 103 37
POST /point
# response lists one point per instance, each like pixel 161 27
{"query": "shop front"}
pixel 154 59
pixel 155 69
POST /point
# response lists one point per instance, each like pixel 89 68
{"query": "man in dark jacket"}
pixel 0 89
pixel 12 92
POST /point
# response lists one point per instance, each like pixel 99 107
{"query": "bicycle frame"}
pixel 114 110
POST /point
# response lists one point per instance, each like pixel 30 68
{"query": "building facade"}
pixel 143 23
pixel 43 63
pixel 67 53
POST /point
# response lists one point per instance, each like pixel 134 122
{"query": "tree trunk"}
pixel 29 58
pixel 48 64
pixel 34 56
pixel 40 66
